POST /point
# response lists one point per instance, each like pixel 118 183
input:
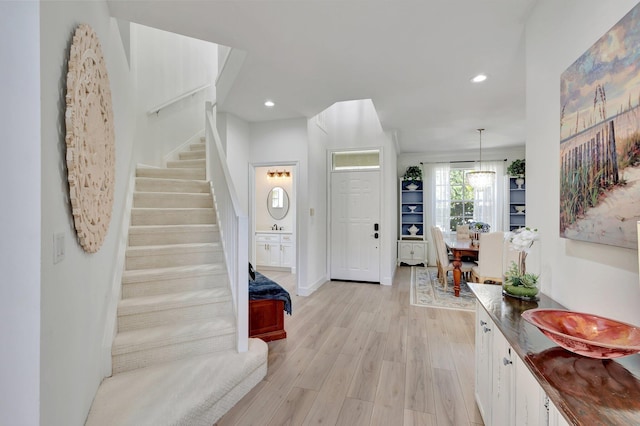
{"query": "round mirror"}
pixel 278 203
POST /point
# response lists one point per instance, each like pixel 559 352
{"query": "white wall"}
pixel 165 66
pixel 355 124
pixel 20 215
pixel 316 224
pixel 75 292
pixel 238 149
pixel 583 276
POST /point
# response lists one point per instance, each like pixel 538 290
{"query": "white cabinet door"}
pixel 286 255
pixel 406 251
pixel 419 252
pixel 483 389
pixel 502 410
pixel 555 418
pixel 262 254
pixel 530 398
pixel 274 254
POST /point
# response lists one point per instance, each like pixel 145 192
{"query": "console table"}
pixel 522 377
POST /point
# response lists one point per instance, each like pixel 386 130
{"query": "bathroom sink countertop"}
pixel 268 231
pixel 586 390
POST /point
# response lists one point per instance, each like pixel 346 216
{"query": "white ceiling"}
pixel 414 59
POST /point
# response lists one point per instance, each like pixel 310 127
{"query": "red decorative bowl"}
pixel 585 334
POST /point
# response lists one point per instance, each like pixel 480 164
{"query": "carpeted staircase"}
pixel 174 356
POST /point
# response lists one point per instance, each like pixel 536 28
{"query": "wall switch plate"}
pixel 58 247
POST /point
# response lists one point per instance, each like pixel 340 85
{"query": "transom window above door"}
pixel 355 160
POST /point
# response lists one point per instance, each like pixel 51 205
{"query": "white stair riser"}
pixel 145 358
pixel 187 173
pixel 171 200
pixel 192 155
pixel 141 217
pixel 176 258
pixel 171 185
pixel 156 287
pixel 177 237
pixel 187 164
pixel 175 315
pixel 197 147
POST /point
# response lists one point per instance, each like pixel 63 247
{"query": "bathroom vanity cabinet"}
pixel 275 249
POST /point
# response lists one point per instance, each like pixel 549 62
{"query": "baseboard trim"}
pixel 111 320
pixel 308 291
pixel 173 154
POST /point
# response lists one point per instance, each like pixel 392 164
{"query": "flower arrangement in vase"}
pixel 517 282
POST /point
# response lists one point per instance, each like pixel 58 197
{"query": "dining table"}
pixel 460 248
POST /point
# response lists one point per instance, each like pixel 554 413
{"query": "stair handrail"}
pixel 233 225
pixel 156 109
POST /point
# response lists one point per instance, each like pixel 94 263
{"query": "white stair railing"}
pixel 233 225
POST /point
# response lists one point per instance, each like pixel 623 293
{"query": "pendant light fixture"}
pixel 480 179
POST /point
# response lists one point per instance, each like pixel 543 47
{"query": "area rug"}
pixel 426 290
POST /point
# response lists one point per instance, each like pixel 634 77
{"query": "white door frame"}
pixel 252 209
pixel 383 217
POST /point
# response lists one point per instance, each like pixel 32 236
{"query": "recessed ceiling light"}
pixel 479 78
pixel 269 104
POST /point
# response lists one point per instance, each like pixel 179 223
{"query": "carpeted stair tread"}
pixel 145 235
pixel 172 248
pixel 184 164
pixel 141 275
pixel 171 334
pixel 172 216
pixel 198 147
pixel 153 184
pixel 195 391
pixel 161 302
pixel 192 155
pixel 143 199
pixel 172 173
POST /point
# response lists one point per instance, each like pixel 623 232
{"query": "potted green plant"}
pixel 516 168
pixel 413 173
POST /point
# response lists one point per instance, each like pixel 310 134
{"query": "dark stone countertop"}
pixel 587 391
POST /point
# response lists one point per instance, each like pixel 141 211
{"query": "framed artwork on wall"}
pixel 600 139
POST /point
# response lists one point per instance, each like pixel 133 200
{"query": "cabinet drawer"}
pixel 286 238
pixel 267 238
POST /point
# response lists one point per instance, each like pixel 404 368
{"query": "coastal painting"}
pixel 600 139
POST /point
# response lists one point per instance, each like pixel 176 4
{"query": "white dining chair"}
pixel 444 264
pixel 489 266
pixel 462 232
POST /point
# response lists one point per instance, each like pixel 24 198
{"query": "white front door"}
pixel 355 213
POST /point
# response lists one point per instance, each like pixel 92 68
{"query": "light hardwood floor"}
pixel 360 354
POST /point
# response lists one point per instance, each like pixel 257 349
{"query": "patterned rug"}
pixel 426 290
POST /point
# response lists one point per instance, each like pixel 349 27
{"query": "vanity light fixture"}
pixel 269 103
pixel 480 179
pixel 479 78
pixel 278 173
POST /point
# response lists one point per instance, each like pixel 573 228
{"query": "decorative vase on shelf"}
pixel 412 209
pixel 520 182
pixel 413 230
pixel 520 263
pixel 519 209
pixel 412 186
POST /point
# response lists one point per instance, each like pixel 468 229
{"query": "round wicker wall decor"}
pixel 90 139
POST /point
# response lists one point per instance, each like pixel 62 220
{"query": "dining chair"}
pixel 462 232
pixel 444 264
pixel 489 266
